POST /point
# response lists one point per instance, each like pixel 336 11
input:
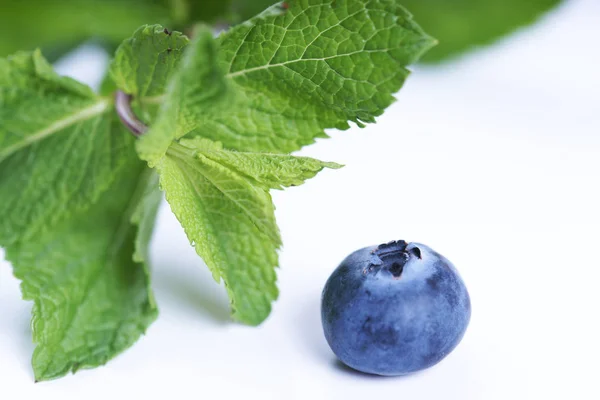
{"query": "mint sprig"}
pixel 78 202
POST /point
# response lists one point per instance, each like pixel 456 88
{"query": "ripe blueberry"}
pixel 394 309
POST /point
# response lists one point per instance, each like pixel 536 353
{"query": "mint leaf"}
pixel 91 300
pixel 315 66
pixel 143 64
pixel 462 25
pixel 68 216
pixel 278 81
pixel 221 199
pixel 269 171
pixel 59 150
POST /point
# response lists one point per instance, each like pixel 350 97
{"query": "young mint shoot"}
pixel 79 194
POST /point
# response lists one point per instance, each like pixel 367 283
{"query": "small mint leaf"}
pixel 144 63
pixel 269 171
pixel 222 200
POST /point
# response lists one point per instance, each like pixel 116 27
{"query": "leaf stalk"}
pixel 127 116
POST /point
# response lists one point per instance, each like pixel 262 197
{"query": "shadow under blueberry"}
pixel 343 368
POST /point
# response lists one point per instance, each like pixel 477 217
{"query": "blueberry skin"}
pixel 394 309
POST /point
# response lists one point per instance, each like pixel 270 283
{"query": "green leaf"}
pixel 315 66
pixel 71 218
pixel 58 149
pixel 144 63
pixel 269 171
pixel 57 26
pixel 91 300
pixel 462 25
pixel 222 200
pixel 278 81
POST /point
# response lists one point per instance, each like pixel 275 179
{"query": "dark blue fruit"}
pixel 394 309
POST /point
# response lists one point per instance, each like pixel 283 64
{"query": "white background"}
pixel 493 160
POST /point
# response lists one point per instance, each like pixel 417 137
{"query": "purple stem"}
pixel 126 114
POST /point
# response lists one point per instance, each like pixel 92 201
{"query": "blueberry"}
pixel 394 309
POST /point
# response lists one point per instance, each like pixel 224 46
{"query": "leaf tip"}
pixel 333 165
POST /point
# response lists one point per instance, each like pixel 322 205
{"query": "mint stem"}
pixel 126 114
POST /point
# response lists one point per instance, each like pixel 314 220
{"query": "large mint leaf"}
pixel 58 149
pixel 91 300
pixel 315 66
pixel 222 200
pixel 72 192
pixel 461 25
pixel 278 81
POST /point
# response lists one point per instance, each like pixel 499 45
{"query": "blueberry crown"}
pixel 394 256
